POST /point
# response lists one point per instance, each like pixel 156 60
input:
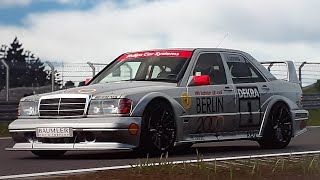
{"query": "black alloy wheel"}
pixel 159 128
pixel 278 131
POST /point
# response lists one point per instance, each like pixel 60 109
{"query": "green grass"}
pixel 4 129
pixel 314 117
pixel 293 167
pixel 310 90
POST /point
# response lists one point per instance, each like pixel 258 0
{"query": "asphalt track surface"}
pixel 20 162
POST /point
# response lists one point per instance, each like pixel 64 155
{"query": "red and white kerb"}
pixel 160 53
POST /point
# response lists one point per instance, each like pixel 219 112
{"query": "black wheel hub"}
pixel 282 125
pixel 162 128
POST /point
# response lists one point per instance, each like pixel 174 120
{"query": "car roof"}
pixel 188 49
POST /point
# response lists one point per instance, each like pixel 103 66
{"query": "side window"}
pixel 242 71
pixel 158 71
pixel 211 64
pixel 126 71
pixel 155 72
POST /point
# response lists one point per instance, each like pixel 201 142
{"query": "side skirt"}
pixel 226 136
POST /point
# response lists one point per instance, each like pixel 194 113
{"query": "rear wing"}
pixel 291 70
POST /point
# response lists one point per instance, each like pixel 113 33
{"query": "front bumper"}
pixel 99 133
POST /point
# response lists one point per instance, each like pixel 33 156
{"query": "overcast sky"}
pixel 100 30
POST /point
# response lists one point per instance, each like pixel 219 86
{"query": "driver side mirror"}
pixel 199 80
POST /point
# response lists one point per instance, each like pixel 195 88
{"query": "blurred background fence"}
pixel 58 75
pixel 308 72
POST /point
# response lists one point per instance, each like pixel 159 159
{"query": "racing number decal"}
pixel 210 124
pixel 249 106
pixel 185 100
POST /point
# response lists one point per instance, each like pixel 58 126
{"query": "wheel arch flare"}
pixel 177 109
pixel 294 110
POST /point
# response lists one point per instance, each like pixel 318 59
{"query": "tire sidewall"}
pixel 269 139
pixel 146 144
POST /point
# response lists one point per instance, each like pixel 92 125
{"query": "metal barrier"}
pixel 311 101
pixel 59 76
pixel 8 110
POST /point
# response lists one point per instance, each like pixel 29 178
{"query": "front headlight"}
pixel 110 106
pixel 28 108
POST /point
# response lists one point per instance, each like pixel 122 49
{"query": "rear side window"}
pixel 242 71
pixel 211 64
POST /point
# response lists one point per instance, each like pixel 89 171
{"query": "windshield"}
pixel 167 66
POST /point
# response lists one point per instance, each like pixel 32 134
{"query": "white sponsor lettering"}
pixel 147 54
pixel 248 93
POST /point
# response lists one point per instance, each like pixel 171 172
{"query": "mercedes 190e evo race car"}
pixel 157 100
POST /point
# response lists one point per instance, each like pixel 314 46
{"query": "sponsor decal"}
pixel 185 100
pixel 251 134
pixel 197 137
pixel 85 91
pixel 249 106
pixel 248 93
pixel 210 124
pixel 207 105
pixel 207 93
pixel 160 53
pixel 238 59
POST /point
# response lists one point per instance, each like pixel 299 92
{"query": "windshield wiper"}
pixel 164 80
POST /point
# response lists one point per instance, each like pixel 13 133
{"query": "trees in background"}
pixel 26 70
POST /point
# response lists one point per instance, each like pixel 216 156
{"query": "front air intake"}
pixel 63 106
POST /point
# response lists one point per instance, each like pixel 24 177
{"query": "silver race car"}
pixel 156 100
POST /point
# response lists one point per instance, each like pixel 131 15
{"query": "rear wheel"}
pixel 278 130
pixel 48 154
pixel 158 128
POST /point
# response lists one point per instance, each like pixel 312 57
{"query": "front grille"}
pixel 62 107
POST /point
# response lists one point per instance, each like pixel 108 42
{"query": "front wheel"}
pixel 158 128
pixel 278 130
pixel 48 154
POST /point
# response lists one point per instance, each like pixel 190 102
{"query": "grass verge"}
pixel 276 168
pixel 314 117
pixel 4 129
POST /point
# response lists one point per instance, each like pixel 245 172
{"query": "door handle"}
pixel 227 89
pixel 265 87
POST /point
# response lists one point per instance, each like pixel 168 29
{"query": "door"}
pixel 252 91
pixel 213 106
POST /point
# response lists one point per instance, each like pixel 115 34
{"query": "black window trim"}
pixel 247 60
pixel 223 64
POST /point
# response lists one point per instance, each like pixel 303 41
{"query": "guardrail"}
pixel 9 110
pixel 311 101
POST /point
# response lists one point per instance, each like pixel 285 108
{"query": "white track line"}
pixel 130 166
pixel 313 126
pixel 2 138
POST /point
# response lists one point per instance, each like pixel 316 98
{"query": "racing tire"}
pixel 278 130
pixel 49 154
pixel 158 130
